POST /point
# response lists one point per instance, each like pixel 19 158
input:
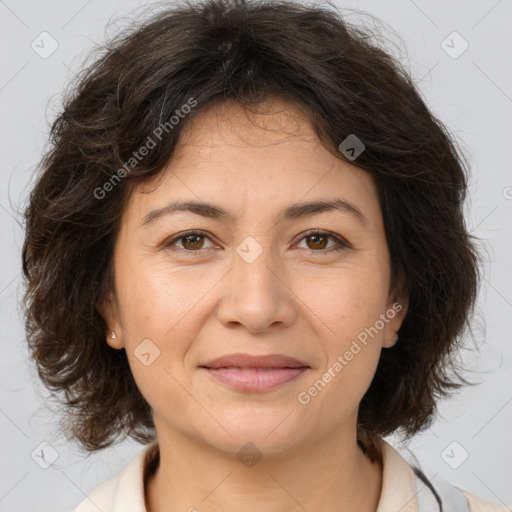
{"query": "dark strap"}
pixel 448 497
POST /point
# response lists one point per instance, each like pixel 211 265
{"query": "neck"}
pixel 333 475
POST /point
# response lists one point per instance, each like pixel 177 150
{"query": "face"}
pixel 193 285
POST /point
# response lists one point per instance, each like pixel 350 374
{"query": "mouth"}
pixel 243 372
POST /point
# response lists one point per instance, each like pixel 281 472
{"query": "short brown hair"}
pixel 248 51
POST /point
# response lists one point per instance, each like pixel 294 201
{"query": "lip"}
pixel 244 372
pixel 247 361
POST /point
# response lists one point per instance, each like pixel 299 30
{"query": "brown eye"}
pixel 192 242
pixel 318 242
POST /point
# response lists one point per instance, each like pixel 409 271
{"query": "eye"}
pixel 192 241
pixel 316 240
pixel 319 239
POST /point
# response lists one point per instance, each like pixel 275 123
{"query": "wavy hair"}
pixel 248 51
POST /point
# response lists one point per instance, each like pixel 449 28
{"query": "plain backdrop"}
pixel 458 54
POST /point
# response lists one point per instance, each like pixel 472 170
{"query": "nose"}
pixel 258 292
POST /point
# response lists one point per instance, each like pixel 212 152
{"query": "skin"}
pixel 300 297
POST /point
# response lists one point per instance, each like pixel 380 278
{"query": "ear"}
pixel 398 305
pixel 108 310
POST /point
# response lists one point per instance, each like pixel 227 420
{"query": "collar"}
pixel 399 491
pixel 129 491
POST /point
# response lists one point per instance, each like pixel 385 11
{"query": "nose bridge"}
pixel 257 296
pixel 254 266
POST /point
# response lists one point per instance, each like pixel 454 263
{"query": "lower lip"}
pixel 255 379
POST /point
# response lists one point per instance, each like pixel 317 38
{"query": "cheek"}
pixel 157 299
pixel 351 354
pixel 346 314
pixel 350 301
pixel 163 311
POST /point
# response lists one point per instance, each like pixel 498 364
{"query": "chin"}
pixel 262 431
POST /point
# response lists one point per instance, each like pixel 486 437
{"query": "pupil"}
pixel 316 238
pixel 192 237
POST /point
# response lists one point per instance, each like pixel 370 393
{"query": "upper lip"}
pixel 248 361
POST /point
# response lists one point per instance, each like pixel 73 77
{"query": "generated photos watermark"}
pixel 145 149
pixel 304 397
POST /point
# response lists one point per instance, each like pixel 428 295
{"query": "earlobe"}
pixel 114 341
pixel 390 343
pixel 396 313
pixel 113 336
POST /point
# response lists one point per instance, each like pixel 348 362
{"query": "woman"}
pixel 246 249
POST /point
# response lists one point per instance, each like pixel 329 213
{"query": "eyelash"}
pixel 342 244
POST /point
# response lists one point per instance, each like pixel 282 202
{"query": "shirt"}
pixel 404 488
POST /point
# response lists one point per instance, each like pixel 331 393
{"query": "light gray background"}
pixel 472 94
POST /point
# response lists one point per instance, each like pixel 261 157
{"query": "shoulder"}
pixel 405 486
pixel 101 497
pixel 124 490
pixel 478 505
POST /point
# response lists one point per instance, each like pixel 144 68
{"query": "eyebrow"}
pixel 294 211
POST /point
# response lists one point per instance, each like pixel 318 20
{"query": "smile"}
pixel 254 379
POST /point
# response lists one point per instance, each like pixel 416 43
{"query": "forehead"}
pixel 259 158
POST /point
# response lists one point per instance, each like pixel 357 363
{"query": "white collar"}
pixel 400 487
